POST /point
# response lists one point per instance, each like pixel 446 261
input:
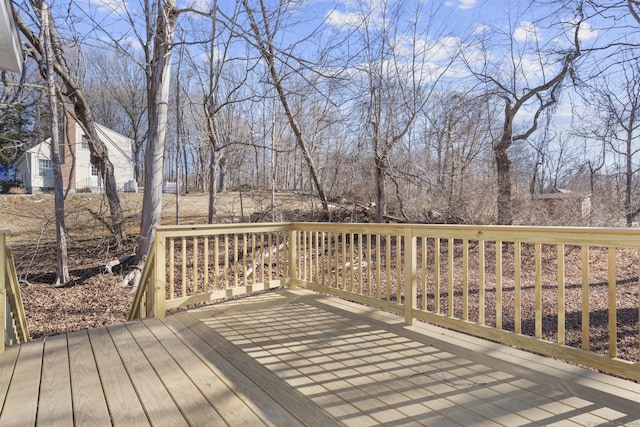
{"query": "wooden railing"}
pixel 14 328
pixel 570 293
pixel 188 265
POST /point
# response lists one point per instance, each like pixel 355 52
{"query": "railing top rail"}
pixel 212 229
pixel 581 236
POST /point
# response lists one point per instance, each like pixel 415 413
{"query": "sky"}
pixel 484 29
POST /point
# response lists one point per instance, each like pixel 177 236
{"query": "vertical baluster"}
pixel 316 276
pixel 262 259
pixel 361 265
pixel 481 282
pixel 613 326
pixel 336 255
pixel 450 276
pixel 561 304
pixel 216 264
pixel 244 259
pixel 184 267
pixel 436 274
pixel 270 257
pixel 205 256
pixel 388 267
pixel 323 257
pixel 195 265
pixel 399 265
pixel 378 257
pixel 235 259
pixel 369 266
pixel 254 265
pixel 424 273
pixel 517 284
pixel 538 290
pixel 499 285
pixel 171 268
pixel 465 279
pixel 343 282
pixel 585 299
pixel 226 261
pixel 352 260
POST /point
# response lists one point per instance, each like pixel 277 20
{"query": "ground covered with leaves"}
pixel 92 298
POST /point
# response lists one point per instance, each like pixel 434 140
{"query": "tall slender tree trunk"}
pixel 628 190
pixel 62 270
pixel 158 81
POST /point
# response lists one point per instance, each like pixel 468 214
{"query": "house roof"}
pixel 10 50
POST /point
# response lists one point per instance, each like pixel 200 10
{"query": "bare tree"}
pixel 263 31
pixel 617 103
pixel 397 49
pixel 520 88
pixel 82 109
pixel 46 41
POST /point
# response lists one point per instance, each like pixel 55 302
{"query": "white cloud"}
pixel 528 31
pixel 342 19
pixel 118 7
pixel 468 4
pixel 480 28
pixel 587 32
pixel 461 4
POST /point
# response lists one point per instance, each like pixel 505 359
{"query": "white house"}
pixel 34 167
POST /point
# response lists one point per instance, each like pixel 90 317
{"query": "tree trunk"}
pixel 629 214
pixel 213 187
pixel 505 204
pixel 380 172
pixel 158 82
pixel 62 270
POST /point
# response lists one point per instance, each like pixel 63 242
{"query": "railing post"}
pixel 293 258
pixel 3 290
pixel 159 276
pixel 410 282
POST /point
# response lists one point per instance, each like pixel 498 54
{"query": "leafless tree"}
pixel 82 110
pixel 263 29
pixel 397 46
pixel 519 88
pixel 46 40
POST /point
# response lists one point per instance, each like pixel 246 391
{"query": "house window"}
pixel 94 171
pixel 84 143
pixel 45 168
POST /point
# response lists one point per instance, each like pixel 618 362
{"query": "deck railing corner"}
pixel 12 313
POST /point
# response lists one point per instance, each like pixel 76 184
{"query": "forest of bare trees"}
pixel 427 111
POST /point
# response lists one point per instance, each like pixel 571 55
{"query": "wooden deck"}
pixel 295 357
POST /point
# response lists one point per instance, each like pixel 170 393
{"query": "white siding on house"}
pixel 118 146
pixel 28 168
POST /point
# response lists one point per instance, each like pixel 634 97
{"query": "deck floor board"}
pixel 55 387
pixel 292 358
pixel 89 403
pixel 21 401
pixel 123 403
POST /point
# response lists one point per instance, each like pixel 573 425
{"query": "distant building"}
pixel 34 169
pixel 562 203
